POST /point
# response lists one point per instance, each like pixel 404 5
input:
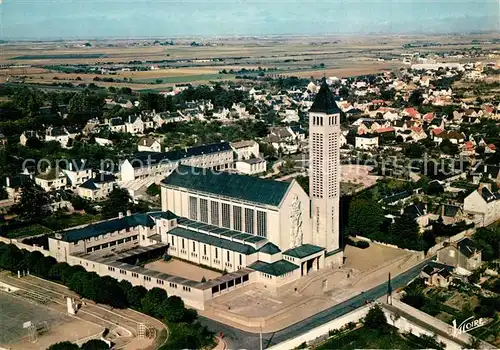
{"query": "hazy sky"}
pixel 165 18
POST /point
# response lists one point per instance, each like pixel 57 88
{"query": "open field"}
pixel 183 269
pixel 14 312
pixel 303 56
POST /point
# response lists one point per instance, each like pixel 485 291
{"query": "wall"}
pixel 403 324
pixel 361 238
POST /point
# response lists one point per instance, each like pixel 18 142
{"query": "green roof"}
pixel 196 225
pixel 243 187
pixel 270 249
pixel 207 239
pixel 108 226
pixel 303 251
pixel 277 268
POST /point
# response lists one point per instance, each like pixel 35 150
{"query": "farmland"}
pixel 147 65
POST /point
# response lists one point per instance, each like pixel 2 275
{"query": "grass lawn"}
pixel 365 338
pixel 67 221
pixel 32 230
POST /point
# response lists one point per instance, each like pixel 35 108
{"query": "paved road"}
pixel 238 339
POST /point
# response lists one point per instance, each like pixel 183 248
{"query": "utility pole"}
pixel 261 347
pixel 389 291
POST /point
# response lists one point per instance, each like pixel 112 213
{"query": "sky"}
pixel 88 19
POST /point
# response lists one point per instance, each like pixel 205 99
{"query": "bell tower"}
pixel 324 169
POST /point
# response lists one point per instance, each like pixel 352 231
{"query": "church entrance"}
pixel 309 266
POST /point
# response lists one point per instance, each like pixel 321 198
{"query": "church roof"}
pixel 269 248
pixel 303 251
pixel 243 187
pixel 212 240
pixel 277 268
pixel 324 102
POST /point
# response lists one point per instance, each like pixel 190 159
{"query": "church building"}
pixel 253 229
pixel 262 214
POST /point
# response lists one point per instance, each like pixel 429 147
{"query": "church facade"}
pixel 260 213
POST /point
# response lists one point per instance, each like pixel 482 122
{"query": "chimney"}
pixel 120 215
pixel 129 213
pixel 71 165
pixel 7 181
pixel 145 142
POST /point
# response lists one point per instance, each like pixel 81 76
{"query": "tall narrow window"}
pixel 236 218
pixel 194 246
pixel 216 253
pixel 228 255
pixel 226 215
pixel 203 210
pixel 261 223
pixel 241 259
pixel 249 220
pixel 214 213
pixel 193 208
pixel 204 249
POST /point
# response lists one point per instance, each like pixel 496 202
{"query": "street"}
pixel 238 339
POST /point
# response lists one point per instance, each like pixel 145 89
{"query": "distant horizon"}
pixel 39 20
pixel 269 36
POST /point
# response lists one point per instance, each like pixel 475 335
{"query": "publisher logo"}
pixel 467 325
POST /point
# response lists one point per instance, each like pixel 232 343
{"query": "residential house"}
pixel 14 184
pixel 417 134
pixel 437 275
pixel 77 171
pixel 367 141
pixel 117 125
pixel 455 137
pixel 482 171
pixel 484 205
pixel 52 179
pixel 450 214
pixel 26 135
pixel 134 125
pixel 148 144
pixel 464 255
pixel 418 212
pixel 61 135
pixel 97 188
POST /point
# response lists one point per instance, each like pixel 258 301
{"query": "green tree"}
pixel 119 200
pixel 173 309
pixel 57 270
pixel 65 345
pixel 365 217
pixel 135 296
pixel 94 344
pixel 448 147
pixel 10 257
pixel 151 302
pixel 33 202
pixel 375 319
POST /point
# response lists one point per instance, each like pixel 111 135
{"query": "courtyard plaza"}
pixel 254 306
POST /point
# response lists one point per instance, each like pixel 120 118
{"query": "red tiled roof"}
pixel 429 116
pixel 469 145
pixel 416 129
pixel 437 131
pixel 382 130
pixel 412 111
pixel 492 147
